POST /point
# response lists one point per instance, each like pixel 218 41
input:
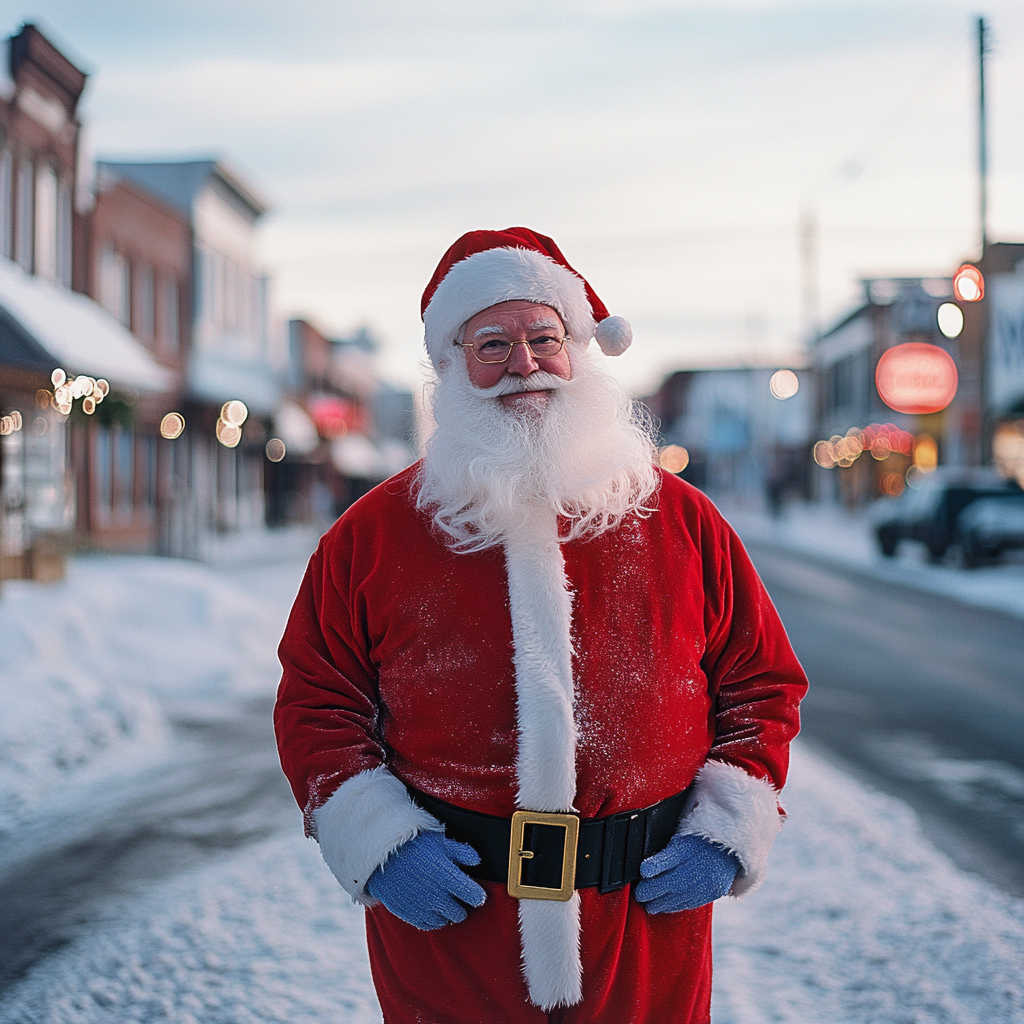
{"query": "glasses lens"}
pixel 491 350
pixel 543 348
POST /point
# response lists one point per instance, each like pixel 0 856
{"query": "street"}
pixel 920 696
pixel 222 790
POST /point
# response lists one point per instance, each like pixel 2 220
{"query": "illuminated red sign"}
pixel 968 284
pixel 916 378
pixel 335 416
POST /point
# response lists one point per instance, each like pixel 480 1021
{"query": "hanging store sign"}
pixel 916 378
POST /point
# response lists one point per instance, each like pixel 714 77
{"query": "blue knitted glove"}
pixel 688 873
pixel 421 883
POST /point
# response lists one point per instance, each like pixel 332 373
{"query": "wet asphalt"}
pixel 919 696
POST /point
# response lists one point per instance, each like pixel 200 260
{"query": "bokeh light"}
pixel 892 484
pixel 824 455
pixel 234 412
pixel 66 389
pixel 276 449
pixel 950 318
pixel 926 453
pixel 881 439
pixel 916 378
pixel 172 425
pixel 1008 450
pixel 229 434
pixel 968 284
pixel 674 458
pixel 784 384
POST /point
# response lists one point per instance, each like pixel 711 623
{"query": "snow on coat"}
pixel 404 661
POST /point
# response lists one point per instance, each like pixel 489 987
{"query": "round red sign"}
pixel 916 378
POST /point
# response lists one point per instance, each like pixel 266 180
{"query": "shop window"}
pixel 103 475
pixel 46 221
pixel 115 284
pixel 147 470
pixel 169 314
pixel 145 319
pixel 64 229
pixel 6 204
pixel 24 217
pixel 124 476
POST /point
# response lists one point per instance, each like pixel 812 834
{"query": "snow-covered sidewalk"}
pixel 829 531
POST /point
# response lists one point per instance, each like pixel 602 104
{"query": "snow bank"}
pixel 86 663
pixel 860 920
pixel 832 532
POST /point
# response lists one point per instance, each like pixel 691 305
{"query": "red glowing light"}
pixel 335 416
pixel 916 378
pixel 968 284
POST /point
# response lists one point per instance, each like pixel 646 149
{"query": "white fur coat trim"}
pixel 541 609
pixel 737 811
pixel 500 275
pixel 366 818
pixel 550 934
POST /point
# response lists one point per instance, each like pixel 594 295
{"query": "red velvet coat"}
pixel 399 653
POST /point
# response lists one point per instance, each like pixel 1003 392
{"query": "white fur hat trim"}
pixel 502 275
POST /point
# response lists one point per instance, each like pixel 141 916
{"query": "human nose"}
pixel 522 360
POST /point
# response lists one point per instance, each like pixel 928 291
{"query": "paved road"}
pixel 223 789
pixel 921 696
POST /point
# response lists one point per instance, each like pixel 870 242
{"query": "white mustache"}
pixel 538 381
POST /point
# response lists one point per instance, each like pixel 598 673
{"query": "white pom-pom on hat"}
pixel 614 334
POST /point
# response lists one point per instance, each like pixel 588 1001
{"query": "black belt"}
pixel 539 846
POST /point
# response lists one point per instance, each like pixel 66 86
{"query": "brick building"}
pixel 43 323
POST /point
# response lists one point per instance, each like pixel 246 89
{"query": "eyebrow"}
pixel 543 325
pixel 492 329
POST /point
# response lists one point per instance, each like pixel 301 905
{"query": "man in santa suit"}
pixel 536 703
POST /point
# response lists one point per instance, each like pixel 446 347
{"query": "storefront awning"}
pixel 43 325
pixel 220 378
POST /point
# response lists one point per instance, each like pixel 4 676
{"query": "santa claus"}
pixel 536 703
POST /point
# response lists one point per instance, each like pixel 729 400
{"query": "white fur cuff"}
pixel 737 811
pixel 366 819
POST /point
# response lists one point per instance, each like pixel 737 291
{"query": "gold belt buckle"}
pixel 516 856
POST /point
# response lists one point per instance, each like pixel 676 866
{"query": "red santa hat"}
pixel 484 268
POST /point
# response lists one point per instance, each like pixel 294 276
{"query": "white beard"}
pixel 586 454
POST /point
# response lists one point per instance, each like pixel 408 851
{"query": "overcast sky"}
pixel 668 146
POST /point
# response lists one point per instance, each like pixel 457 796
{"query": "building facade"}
pixel 137 266
pixel 741 441
pixel 208 256
pixel 895 311
pixel 44 325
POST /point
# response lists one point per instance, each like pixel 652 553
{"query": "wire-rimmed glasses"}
pixel 498 350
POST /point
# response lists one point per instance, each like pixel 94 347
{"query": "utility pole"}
pixel 982 138
pixel 809 273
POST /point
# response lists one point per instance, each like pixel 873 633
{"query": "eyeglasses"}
pixel 496 350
